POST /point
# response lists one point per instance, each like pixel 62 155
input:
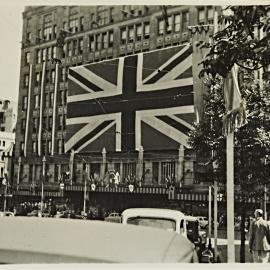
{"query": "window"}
pixel 54 52
pixel 64 50
pixel 201 16
pixel 47 100
pixel 44 147
pixel 44 53
pixel 81 23
pixel 138 32
pixel 4 143
pixel 129 171
pixel 35 124
pixel 50 122
pixel 23 125
pixel 36 101
pixel 80 48
pixel 91 43
pixel 102 15
pixel 161 30
pixel 37 78
pixel 167 172
pixel 123 36
pixel 69 48
pixel 210 15
pixel 26 80
pixel 53 76
pixel 59 146
pixel 47 28
pixel 27 58
pixel 60 121
pixel 24 105
pixel 105 40
pixel 38 56
pixel 185 21
pixel 49 144
pixel 63 74
pixel 131 34
pixel 49 53
pixel 34 147
pixel 65 25
pixel 51 99
pixel 74 47
pixel 177 25
pixel 73 24
pixel 110 39
pixel 55 30
pixel 169 26
pixel 98 42
pixel 146 31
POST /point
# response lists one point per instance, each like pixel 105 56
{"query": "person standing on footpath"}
pixel 259 238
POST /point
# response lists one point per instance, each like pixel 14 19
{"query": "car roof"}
pixel 48 240
pixel 153 212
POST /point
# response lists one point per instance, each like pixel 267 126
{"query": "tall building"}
pixel 94 35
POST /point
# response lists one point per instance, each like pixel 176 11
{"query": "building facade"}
pixel 8 115
pixel 93 34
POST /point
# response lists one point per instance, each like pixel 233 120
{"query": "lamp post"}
pixel 19 172
pixel 42 183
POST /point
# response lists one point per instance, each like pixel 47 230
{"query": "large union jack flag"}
pixel 140 100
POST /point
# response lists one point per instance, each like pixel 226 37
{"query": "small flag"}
pixel 235 108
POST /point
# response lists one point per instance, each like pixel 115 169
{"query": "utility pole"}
pixel 42 183
pixel 19 172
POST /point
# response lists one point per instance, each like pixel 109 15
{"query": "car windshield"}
pixel 162 223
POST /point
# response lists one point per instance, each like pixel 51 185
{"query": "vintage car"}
pixel 51 240
pixel 6 214
pixel 169 220
pixel 113 217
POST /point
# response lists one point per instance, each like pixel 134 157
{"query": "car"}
pixel 7 214
pixel 169 220
pixel 113 217
pixel 55 240
pixel 203 221
pixel 33 213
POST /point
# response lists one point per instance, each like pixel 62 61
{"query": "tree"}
pixel 238 44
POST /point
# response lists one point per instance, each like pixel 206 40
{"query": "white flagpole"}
pixel 41 106
pixel 54 105
pixel 230 197
pixel 28 109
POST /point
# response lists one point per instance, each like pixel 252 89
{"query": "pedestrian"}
pixel 259 238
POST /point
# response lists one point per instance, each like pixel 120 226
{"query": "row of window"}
pixel 46 147
pixel 49 77
pixel 48 100
pixel 47 123
pixel 136 32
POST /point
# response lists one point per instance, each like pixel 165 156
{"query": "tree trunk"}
pixel 243 233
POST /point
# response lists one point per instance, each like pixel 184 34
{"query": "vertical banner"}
pixel 180 165
pixel 41 106
pixel 54 105
pixel 28 109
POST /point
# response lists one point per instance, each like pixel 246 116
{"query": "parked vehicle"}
pixel 169 220
pixel 113 217
pixel 7 214
pixel 52 240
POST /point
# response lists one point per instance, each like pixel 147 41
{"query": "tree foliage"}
pixel 239 42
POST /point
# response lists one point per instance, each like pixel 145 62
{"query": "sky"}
pixel 10 50
pixel 11 33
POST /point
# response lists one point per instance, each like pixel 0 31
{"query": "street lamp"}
pixel 42 183
pixel 19 172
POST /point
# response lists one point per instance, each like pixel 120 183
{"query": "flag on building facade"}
pixel 122 104
pixel 235 108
